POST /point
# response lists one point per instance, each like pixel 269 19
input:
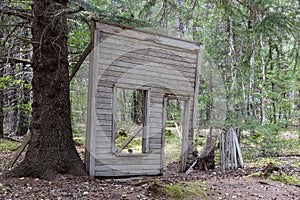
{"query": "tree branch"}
pixel 5 60
pixel 16 12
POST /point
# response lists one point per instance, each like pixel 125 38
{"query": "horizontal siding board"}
pixel 157 72
pixel 152 159
pixel 150 51
pixel 109 57
pixel 147 37
pixel 126 168
pixel 155 140
pixel 134 43
pixel 104 117
pixel 128 173
pixel 155 146
pixel 125 66
pixel 150 81
pixel 178 86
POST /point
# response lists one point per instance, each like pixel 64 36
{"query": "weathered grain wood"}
pixel 131 46
pixel 149 71
pixel 19 151
pixel 196 93
pixel 128 173
pixel 180 87
pixel 223 164
pixel 184 140
pixel 126 168
pixel 147 36
pixel 144 43
pixel 125 66
pixel 128 140
pixel 155 146
pixel 146 133
pixel 91 113
pixel 239 151
pixel 153 78
pixel 164 120
pixel 111 57
pixel 130 160
pixel 139 60
pixel 83 56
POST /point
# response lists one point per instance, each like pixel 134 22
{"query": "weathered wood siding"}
pixel 135 59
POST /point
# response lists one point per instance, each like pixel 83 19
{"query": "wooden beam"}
pixel 128 140
pixel 19 151
pixel 81 60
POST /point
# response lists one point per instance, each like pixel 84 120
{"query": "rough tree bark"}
pixel 1 104
pixel 51 148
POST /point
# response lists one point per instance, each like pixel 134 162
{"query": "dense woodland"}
pixel 253 44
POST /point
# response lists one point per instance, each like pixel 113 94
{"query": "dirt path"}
pixel 211 185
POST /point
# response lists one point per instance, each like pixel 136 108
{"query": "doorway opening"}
pixel 175 130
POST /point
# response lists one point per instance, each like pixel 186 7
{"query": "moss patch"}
pixel 8 145
pixel 284 178
pixel 181 190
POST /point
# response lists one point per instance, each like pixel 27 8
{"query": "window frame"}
pixel 146 120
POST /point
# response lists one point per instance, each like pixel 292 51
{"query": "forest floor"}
pixel 210 185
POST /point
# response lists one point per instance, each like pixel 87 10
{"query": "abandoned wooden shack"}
pixel 132 74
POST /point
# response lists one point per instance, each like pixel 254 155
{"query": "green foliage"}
pixel 8 145
pixel 262 143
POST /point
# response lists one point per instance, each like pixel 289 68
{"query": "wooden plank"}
pixel 145 141
pixel 91 113
pixel 155 140
pixel 149 71
pixel 163 136
pixel 113 156
pixel 150 80
pixel 104 129
pixel 180 88
pixel 114 126
pixel 105 89
pixel 134 173
pixel 82 57
pixel 128 140
pixel 184 140
pixel 239 151
pixel 196 93
pixel 19 151
pixel 147 36
pixel 118 46
pixel 137 62
pixel 125 66
pixel 155 146
pixel 109 57
pixel 103 144
pixel 105 117
pixel 129 160
pixel 126 168
pixel 134 43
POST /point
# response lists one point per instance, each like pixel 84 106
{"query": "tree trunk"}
pixel 51 148
pixel 1 104
pixel 207 154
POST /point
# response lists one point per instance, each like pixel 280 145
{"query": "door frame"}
pixel 185 129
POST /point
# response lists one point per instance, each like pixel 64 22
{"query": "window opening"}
pixel 130 121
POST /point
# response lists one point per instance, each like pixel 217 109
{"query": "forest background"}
pixel 254 44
